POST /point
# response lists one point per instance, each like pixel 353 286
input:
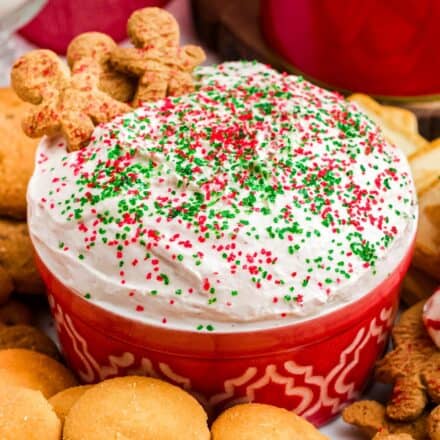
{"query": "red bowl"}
pixel 385 48
pixel 313 367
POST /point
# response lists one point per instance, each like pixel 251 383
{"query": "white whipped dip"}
pixel 257 201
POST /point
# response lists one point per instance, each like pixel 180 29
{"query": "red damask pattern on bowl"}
pixel 313 368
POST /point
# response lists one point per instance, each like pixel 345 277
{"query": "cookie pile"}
pixel 102 77
pixel 40 399
pixel 17 269
pixel 413 368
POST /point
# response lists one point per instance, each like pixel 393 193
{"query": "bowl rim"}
pixel 290 336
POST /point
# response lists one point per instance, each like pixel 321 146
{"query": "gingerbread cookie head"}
pixel 90 45
pixel 98 46
pixel 37 74
pixel 153 28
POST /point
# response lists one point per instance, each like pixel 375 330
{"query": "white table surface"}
pixel 336 430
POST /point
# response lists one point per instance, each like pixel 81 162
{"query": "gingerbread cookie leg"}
pixel 408 400
pixel 77 129
pixel 152 86
pixel 180 84
pixel 191 56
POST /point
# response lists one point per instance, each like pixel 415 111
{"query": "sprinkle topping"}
pixel 259 197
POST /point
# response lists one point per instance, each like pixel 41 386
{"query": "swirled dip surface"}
pixel 256 201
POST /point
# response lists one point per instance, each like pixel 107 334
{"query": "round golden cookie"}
pixel 134 408
pixel 14 313
pixel 17 153
pixel 255 421
pixel 31 338
pixel 17 257
pixel 29 369
pixel 63 401
pixel 26 415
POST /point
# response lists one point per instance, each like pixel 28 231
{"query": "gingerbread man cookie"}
pixel 370 416
pixel 163 68
pixel 413 367
pixel 99 46
pixel 68 104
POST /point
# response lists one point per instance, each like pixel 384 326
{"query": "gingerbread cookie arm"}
pixel 39 77
pixel 190 56
pixel 129 60
pixel 153 84
pixel 408 400
pixel 104 108
pixel 396 363
pixel 44 119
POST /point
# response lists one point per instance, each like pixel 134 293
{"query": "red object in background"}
pixel 388 48
pixel 314 367
pixel 61 20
